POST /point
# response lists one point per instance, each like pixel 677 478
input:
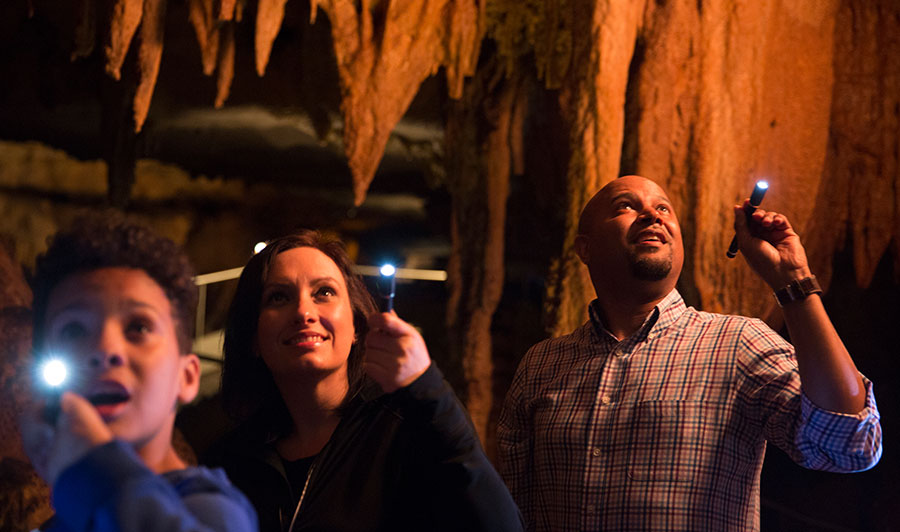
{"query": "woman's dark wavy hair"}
pixel 248 388
pixel 107 239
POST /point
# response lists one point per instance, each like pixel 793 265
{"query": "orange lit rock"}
pixel 200 13
pixel 226 63
pixel 706 100
pixel 479 151
pixel 124 21
pixel 383 56
pixel 269 15
pixel 153 28
pixel 860 193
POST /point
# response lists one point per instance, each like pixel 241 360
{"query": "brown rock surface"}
pixel 479 136
pixel 384 51
pixel 24 497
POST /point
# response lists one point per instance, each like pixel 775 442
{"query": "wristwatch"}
pixel 797 290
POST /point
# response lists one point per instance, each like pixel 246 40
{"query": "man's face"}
pixel 630 229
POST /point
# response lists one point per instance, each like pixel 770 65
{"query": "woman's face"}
pixel 305 321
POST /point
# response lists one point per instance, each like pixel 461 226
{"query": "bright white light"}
pixel 54 372
pixel 762 184
pixel 259 247
pixel 387 270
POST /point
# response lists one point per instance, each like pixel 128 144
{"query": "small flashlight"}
pixel 386 285
pixel 759 191
pixel 54 374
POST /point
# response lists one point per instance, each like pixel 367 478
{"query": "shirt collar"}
pixel 663 315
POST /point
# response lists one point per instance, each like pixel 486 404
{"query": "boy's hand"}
pixel 78 429
pixel 395 352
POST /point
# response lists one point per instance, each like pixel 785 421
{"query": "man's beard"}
pixel 648 267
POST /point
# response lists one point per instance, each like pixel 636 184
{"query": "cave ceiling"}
pixel 282 127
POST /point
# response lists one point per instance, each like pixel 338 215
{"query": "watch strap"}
pixel 797 289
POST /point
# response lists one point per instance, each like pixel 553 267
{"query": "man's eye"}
pixel 663 208
pixel 622 206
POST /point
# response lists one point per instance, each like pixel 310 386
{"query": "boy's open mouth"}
pixel 106 393
pixel 110 398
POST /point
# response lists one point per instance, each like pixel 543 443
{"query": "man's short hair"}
pixel 109 240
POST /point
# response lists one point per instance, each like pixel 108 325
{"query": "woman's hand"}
pixel 395 352
pixel 79 428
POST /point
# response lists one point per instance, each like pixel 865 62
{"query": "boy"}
pixel 116 301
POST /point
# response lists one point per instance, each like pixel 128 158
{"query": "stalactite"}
pixel 380 76
pixel 200 14
pixel 85 29
pixel 226 63
pixel 269 15
pixel 215 36
pixel 479 151
pixel 123 23
pixel 153 28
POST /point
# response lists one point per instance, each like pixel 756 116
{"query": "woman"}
pixel 320 447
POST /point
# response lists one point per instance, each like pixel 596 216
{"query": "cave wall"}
pixel 707 97
pixel 704 96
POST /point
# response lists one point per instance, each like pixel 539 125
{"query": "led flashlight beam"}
pixel 54 374
pixel 386 285
pixel 759 191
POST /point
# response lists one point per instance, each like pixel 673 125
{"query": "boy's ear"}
pixel 190 378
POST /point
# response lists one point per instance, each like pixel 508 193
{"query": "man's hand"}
pixel 78 429
pixel 770 245
pixel 395 352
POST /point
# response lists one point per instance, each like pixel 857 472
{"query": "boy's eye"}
pixel 139 327
pixel 72 331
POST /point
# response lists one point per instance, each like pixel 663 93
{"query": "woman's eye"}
pixel 276 297
pixel 325 291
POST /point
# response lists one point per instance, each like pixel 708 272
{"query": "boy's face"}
pixel 115 326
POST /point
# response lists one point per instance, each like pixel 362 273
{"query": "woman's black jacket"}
pixel 409 460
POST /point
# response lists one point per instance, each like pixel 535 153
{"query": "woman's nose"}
pixel 306 312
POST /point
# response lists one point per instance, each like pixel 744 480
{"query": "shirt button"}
pixel 605 399
pixel 596 451
pixel 591 508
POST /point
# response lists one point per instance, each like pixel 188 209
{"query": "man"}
pixel 655 416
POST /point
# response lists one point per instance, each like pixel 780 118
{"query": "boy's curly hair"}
pixel 109 240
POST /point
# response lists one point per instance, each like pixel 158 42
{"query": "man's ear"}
pixel 190 378
pixel 582 245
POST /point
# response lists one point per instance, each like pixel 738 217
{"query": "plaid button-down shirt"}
pixel 665 430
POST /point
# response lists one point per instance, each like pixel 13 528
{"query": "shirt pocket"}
pixel 665 440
